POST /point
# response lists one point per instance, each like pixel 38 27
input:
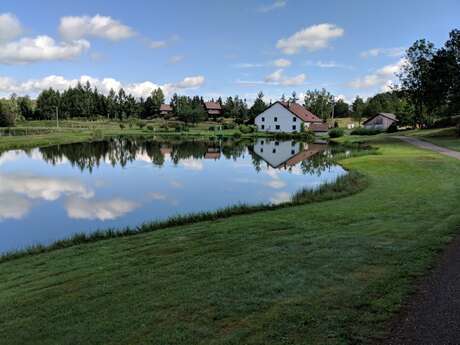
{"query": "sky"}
pixel 215 48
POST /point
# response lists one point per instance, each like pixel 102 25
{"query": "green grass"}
pixel 446 137
pixel 323 273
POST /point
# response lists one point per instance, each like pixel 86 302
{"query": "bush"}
pixel 122 126
pixel 336 133
pixel 365 131
pixel 237 135
pixel 150 128
pixel 7 117
pixel 246 129
pixel 393 128
pixel 229 126
pixel 212 128
pixel 141 124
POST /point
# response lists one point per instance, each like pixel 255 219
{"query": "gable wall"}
pixel 285 119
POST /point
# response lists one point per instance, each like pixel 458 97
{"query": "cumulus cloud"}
pixel 40 48
pixel 282 63
pixel 273 6
pixel 13 207
pixel 278 78
pixel 101 210
pixel 312 38
pixel 382 77
pixel 391 52
pixel 280 197
pixel 162 43
pixel 104 85
pixel 176 59
pixel 10 27
pixel 74 28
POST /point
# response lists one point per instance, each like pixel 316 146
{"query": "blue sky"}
pixel 215 47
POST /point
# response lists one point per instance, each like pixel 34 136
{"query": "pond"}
pixel 47 194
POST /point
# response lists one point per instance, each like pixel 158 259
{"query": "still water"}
pixel 50 193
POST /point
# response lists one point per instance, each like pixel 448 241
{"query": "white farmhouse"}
pixel 288 117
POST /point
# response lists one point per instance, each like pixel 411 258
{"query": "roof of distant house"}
pixel 387 115
pixel 300 112
pixel 212 106
pixel 165 107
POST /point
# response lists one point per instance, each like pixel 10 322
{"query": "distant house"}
pixel 287 117
pixel 166 109
pixel 214 109
pixel 380 121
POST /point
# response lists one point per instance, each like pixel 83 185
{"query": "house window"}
pixel 293 143
pixel 276 143
pixel 261 142
pixel 263 126
pixel 294 127
pixel 263 119
pixel 379 121
pixel 275 119
pixel 261 150
pixel 292 152
pixel 294 119
pixel 274 150
pixel 277 127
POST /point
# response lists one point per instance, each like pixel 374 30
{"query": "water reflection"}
pixel 50 193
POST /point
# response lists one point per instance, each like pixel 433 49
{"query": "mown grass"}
pixel 321 273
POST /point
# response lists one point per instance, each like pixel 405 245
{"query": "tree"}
pixel 357 109
pixel 415 78
pixel 48 102
pixel 293 97
pixel 25 107
pixel 157 99
pixel 319 103
pixel 7 117
pixel 341 108
pixel 258 107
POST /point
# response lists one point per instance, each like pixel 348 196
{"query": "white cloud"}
pixel 313 38
pixel 382 77
pixel 327 64
pixel 176 59
pixel 162 43
pixel 391 52
pixel 10 27
pixel 73 28
pixel 278 78
pixel 274 6
pixel 13 207
pixel 46 188
pixel 143 89
pixel 41 48
pixel 282 63
pixel 280 197
pixel 157 44
pixel 192 164
pixel 102 210
pixel 249 65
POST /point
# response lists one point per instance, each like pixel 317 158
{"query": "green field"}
pixel 325 273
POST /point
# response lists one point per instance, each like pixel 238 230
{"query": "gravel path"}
pixel 429 146
pixel 433 313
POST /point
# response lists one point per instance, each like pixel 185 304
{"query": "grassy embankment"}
pixel 323 273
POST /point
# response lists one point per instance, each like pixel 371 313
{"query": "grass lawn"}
pixel 325 273
pixel 445 137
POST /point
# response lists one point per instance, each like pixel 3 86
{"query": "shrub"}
pixel 122 126
pixel 246 129
pixel 336 133
pixel 150 128
pixel 393 128
pixel 229 126
pixel 365 131
pixel 141 124
pixel 7 117
pixel 237 135
pixel 212 128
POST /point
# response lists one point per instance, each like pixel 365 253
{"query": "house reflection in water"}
pixel 284 154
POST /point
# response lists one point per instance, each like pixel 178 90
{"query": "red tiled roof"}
pixel 301 112
pixel 166 107
pixel 212 106
pixel 319 127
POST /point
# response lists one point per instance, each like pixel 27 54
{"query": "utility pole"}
pixel 57 117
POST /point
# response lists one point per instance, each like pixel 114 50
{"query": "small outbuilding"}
pixel 166 109
pixel 381 121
